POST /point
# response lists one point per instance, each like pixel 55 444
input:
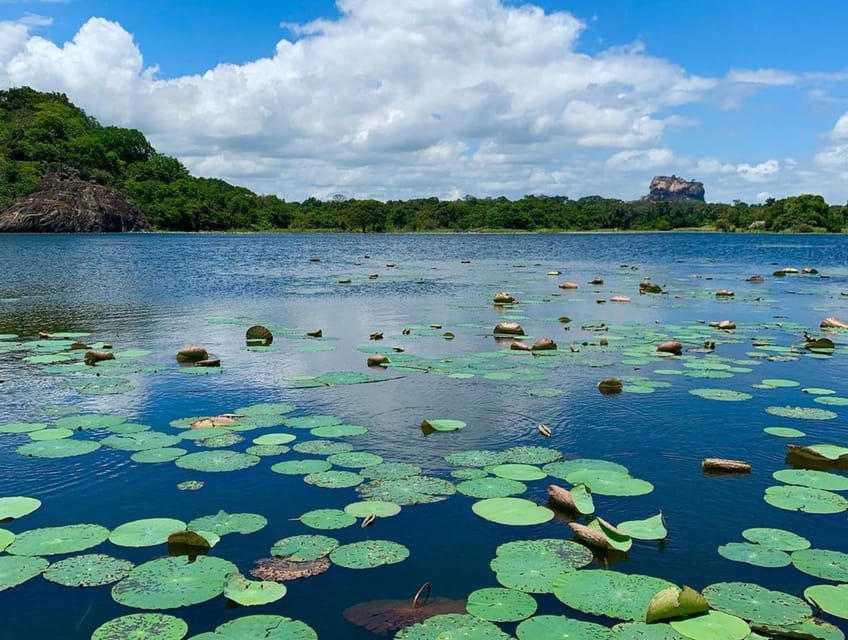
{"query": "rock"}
pixel 589 536
pixel 724 293
pixel 568 285
pixel 727 325
pixel 502 297
pixel 517 345
pixel 62 203
pixel 610 386
pixel 373 276
pixel 345 281
pixel 78 346
pixel 315 333
pixel 561 497
pixel 646 286
pixel 596 281
pixel 377 360
pixel 544 344
pixel 93 357
pixel 674 189
pixel 833 323
pixel 509 328
pixel 809 270
pixel 192 354
pixel 721 465
pixel 670 346
pixel 258 336
pixel 756 278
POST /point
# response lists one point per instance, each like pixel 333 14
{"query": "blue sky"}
pixel 399 99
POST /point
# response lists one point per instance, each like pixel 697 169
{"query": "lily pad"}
pixel 64 448
pixel 512 511
pixel 531 455
pixel 829 598
pixel 611 483
pixel 251 593
pixel 757 604
pixel 475 458
pixel 223 523
pixel 497 604
pixel 300 467
pixel 311 422
pixel 152 456
pixel 452 625
pixel 802 413
pixel 391 471
pixel 146 532
pixel 275 438
pixel 561 470
pixel 794 498
pixel 268 627
pixel 725 395
pixel 491 487
pixel 327 519
pixel 6 538
pixel 713 625
pixel 813 479
pixel 355 460
pixel 822 563
pixel 408 491
pixel 754 554
pixel 676 603
pixel 50 541
pixel 88 421
pixel 334 479
pixel 369 554
pixel 521 472
pixel 304 548
pixel 378 508
pixel 217 461
pixel 50 434
pixel 142 626
pixel 17 506
pixel 140 441
pixel 784 432
pixel 15 570
pixel 532 566
pixel 443 424
pixel 652 528
pixel 91 570
pixel 776 539
pixel 22 427
pixel 339 431
pixel 322 447
pixel 608 593
pixel 644 631
pixel 168 583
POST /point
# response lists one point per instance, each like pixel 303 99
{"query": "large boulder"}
pixel 674 189
pixel 62 203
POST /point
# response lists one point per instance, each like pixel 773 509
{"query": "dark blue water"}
pixel 158 293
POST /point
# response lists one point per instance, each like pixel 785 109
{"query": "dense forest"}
pixel 40 132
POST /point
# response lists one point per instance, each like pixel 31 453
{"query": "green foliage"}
pixel 41 132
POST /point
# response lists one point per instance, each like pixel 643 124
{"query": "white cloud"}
pixel 641 160
pixel 758 172
pixel 35 20
pixel 767 77
pixel 840 129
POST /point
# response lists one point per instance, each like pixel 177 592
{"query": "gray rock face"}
pixel 674 189
pixel 63 203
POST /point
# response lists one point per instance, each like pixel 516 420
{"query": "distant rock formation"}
pixel 62 203
pixel 674 189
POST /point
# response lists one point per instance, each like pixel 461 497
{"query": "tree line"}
pixel 40 132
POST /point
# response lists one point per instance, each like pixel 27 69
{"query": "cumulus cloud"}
pixel 641 160
pixel 768 77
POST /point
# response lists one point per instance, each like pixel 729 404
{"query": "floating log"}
pixel 561 497
pixel 544 430
pixel 620 299
pixel 93 357
pixel 544 344
pixel 833 323
pixel 209 362
pixel 722 465
pixel 568 285
pixel 588 535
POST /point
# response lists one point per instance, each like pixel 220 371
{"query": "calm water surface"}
pixel 163 292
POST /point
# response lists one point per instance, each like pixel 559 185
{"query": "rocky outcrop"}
pixel 674 189
pixel 62 203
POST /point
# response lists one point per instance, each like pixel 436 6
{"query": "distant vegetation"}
pixel 44 131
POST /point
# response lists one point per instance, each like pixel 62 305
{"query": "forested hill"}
pixel 42 132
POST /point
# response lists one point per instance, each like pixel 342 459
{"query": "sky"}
pixel 398 99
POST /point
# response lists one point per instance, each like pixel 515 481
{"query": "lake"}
pixel 148 296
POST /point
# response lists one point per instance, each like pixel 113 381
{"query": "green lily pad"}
pixel 190 485
pixel 327 519
pixel 268 627
pixel 652 528
pixel 223 523
pixel 6 538
pixel 334 479
pixel 713 625
pixel 489 487
pixel 152 456
pixel 50 541
pixel 140 441
pixel 725 395
pixel 90 421
pixel 829 451
pixel 275 438
pixel 608 593
pixel 338 431
pixel 645 631
pixel 512 511
pixel 168 583
pixel 266 409
pixel 379 508
pixel 776 539
pixel 675 603
pixel 829 598
pixel 142 626
pixel 443 424
pixel 147 532
pixel 757 604
pixel 22 427
pixel 408 491
pixel 311 422
pixel 63 448
pixel 549 626
pixel 794 498
pixel 497 604
pixel 780 383
pixel 561 470
pixel 475 458
pixel 91 570
pixel 784 432
pixel 802 413
pixel 266 450
pixel 355 460
pixel 322 447
pixel 611 483
pixel 300 467
pixel 532 566
pixel 521 472
pixel 616 539
pixel 17 506
pixel 450 626
pixel 304 548
pixel 369 554
pixel 531 455
pixel 251 593
pixel 754 554
pixel 217 461
pixel 50 434
pixel 822 563
pixel 15 570
pixel 813 479
pixel 391 471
